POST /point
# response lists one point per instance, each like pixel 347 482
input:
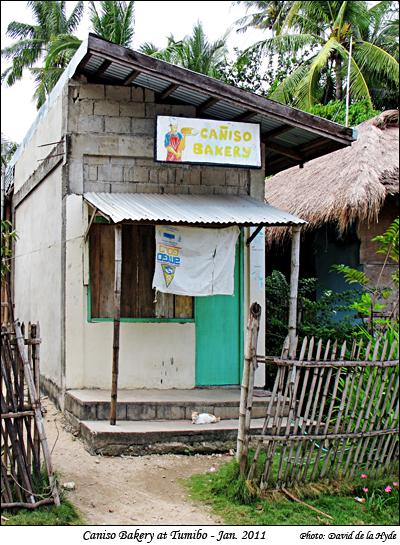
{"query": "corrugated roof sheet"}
pixel 192 209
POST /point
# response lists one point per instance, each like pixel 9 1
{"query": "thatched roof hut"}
pixel 347 185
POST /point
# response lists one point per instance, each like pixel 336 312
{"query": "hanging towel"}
pixel 195 261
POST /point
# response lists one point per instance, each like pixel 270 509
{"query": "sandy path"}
pixel 128 490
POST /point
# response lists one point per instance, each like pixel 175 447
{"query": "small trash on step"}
pixel 69 486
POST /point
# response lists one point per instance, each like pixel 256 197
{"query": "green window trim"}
pixel 92 320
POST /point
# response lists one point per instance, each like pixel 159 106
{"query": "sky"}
pixel 154 21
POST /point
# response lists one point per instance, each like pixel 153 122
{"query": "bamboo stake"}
pixel 297 500
pixel 273 400
pixel 246 392
pixel 294 284
pixel 38 413
pixel 117 317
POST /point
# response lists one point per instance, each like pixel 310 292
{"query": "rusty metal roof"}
pixel 291 137
pixel 188 209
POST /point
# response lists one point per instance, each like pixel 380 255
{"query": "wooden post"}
pixel 246 392
pixel 117 317
pixel 294 284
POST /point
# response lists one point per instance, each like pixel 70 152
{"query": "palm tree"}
pixel 115 21
pixel 194 52
pixel 325 28
pixel 269 15
pixel 35 41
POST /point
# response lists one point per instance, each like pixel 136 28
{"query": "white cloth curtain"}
pixel 195 261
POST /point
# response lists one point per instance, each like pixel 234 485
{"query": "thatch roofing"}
pixel 346 185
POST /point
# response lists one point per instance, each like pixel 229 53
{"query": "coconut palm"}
pixel 268 15
pixel 194 52
pixel 34 42
pixel 325 29
pixel 114 21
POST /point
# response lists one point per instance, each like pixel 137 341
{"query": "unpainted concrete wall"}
pixel 37 280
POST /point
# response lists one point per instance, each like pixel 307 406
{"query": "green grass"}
pixel 230 499
pixel 65 515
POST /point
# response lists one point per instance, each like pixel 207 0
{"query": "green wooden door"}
pixel 219 335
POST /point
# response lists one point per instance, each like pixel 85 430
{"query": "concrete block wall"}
pixel 112 147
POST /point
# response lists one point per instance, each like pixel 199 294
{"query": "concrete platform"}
pixel 173 436
pixel 149 405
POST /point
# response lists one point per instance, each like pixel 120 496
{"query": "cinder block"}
pixel 129 174
pixel 94 160
pixel 104 172
pixel 90 123
pixel 153 175
pixel 90 173
pixel 108 144
pixel 149 163
pixel 132 109
pixel 170 412
pixel 163 109
pixel 148 95
pixel 140 411
pixel 150 110
pixel 142 126
pixel 91 90
pixel 195 176
pixel 123 161
pixel 124 187
pixel 120 125
pixel 99 187
pixel 141 174
pixel 103 411
pixel 118 92
pixel 106 107
pixel 162 175
pixel 171 175
pixel 116 173
pixel 136 146
pixel 86 107
pixel 232 178
pixel 213 176
pixel 147 188
pixel 137 94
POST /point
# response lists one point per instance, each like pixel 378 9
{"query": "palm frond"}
pixel 75 18
pixel 376 62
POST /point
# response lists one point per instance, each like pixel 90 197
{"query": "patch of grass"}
pixel 65 515
pixel 226 492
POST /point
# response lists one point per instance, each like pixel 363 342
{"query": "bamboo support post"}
pixel 246 392
pixel 294 283
pixel 117 318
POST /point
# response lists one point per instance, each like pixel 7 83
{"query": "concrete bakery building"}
pixel 127 144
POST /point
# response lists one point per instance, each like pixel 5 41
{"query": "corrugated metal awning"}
pixel 188 209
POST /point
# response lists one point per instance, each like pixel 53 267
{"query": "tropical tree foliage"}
pixel 194 52
pixel 33 42
pixel 320 32
pixel 8 149
pixel 114 21
pixel 335 110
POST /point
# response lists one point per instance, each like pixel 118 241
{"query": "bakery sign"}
pixel 209 141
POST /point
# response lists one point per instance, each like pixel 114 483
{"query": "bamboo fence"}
pixel 25 455
pixel 333 413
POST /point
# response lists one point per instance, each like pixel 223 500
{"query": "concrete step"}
pixel 161 437
pixel 150 405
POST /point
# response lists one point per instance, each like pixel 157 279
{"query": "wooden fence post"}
pixel 294 283
pixel 117 317
pixel 246 392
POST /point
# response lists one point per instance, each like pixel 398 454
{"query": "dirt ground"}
pixel 127 490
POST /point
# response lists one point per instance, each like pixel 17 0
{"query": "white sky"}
pixel 154 22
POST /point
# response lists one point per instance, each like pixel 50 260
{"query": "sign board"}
pixel 207 141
